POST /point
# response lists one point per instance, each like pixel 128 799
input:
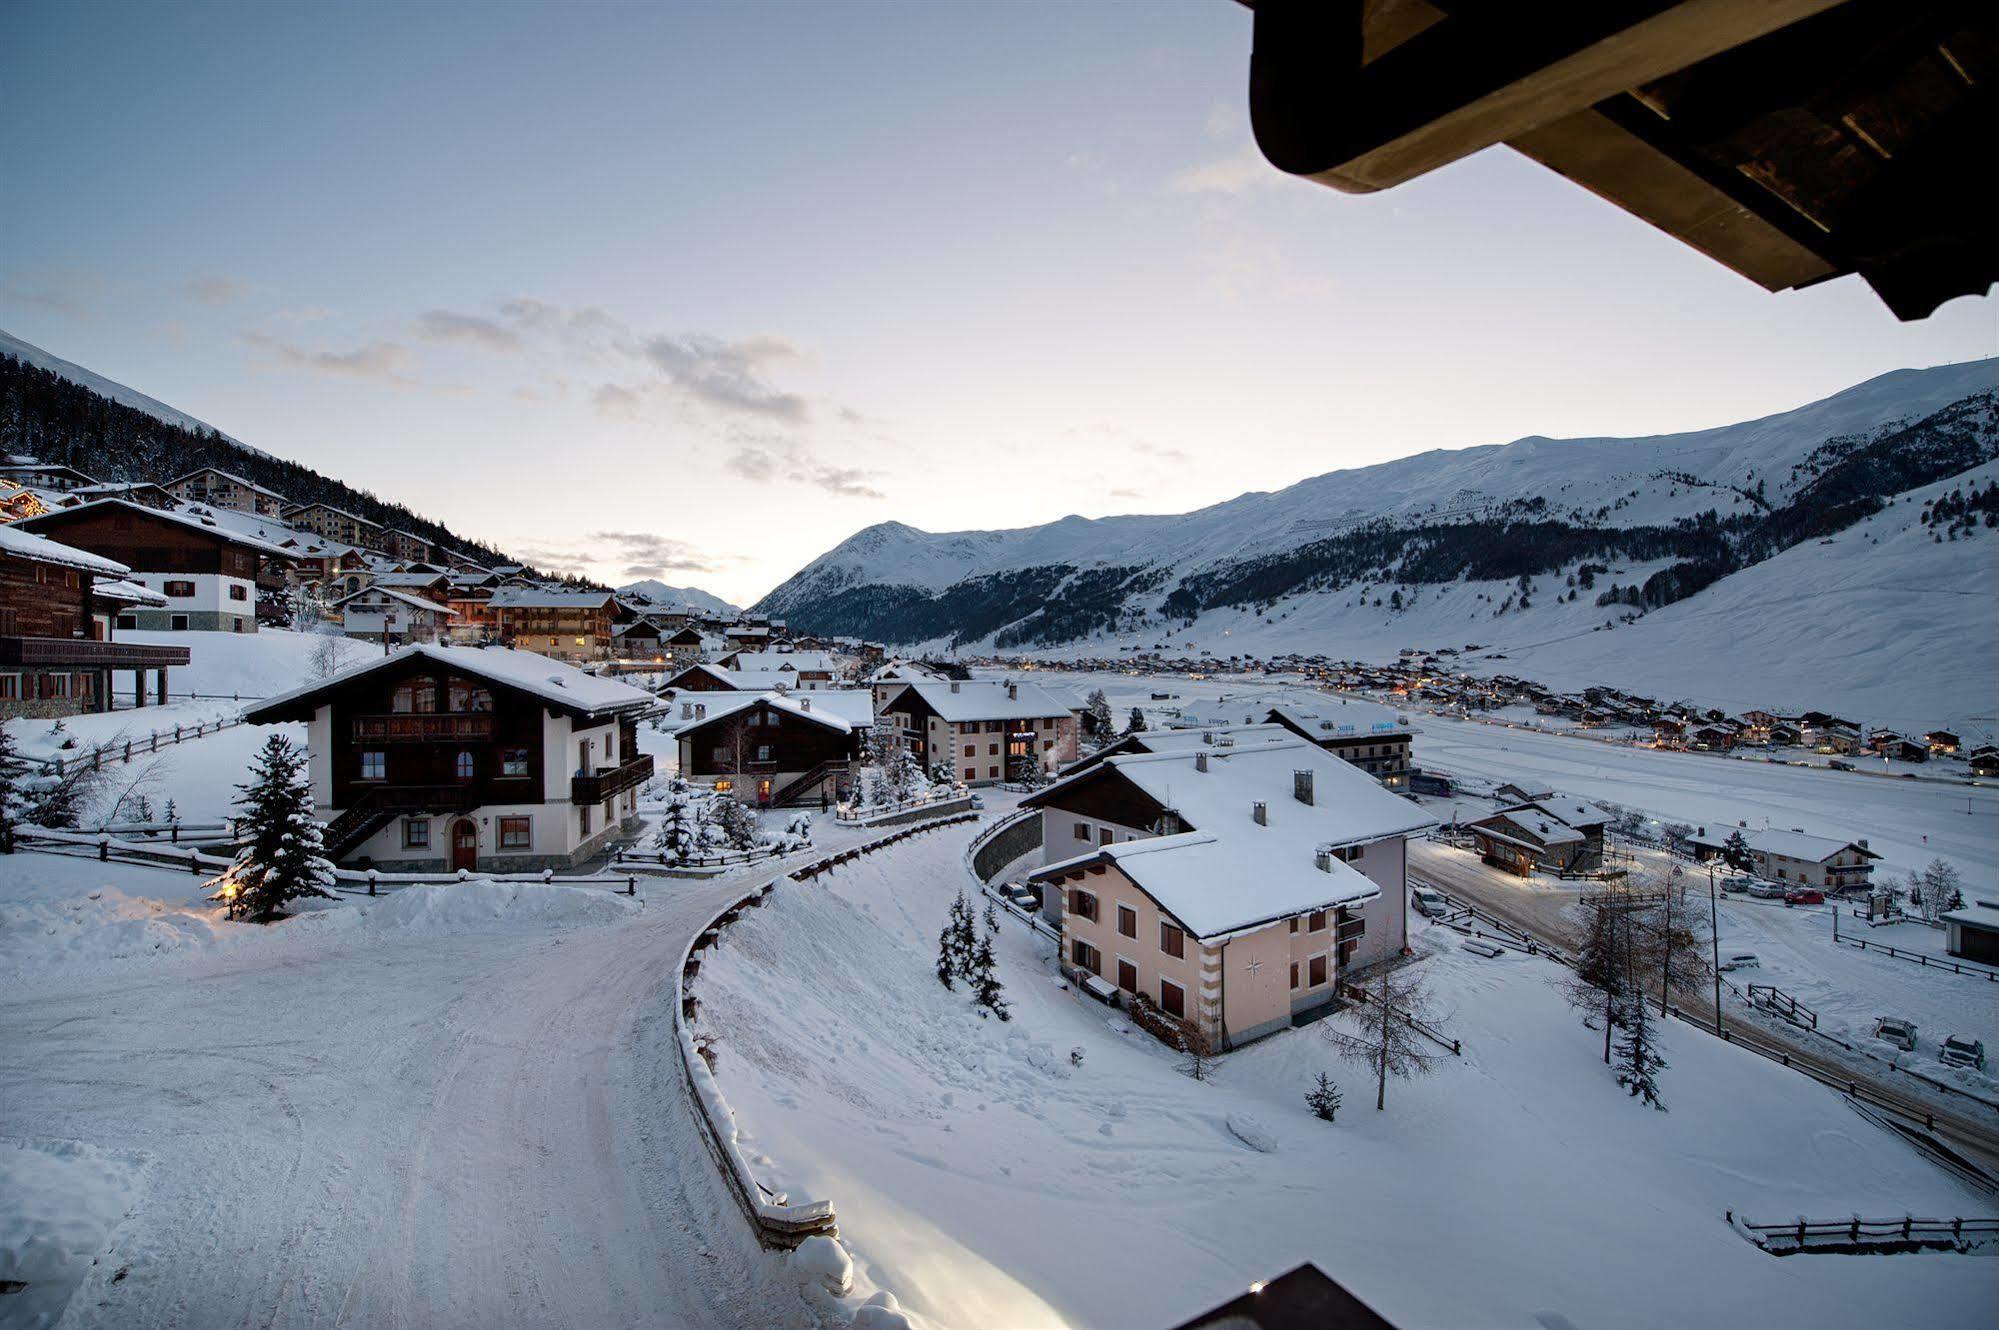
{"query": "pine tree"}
pixel 983 975
pixel 1638 1059
pixel 1735 852
pixel 1136 725
pixel 955 945
pixel 676 832
pixel 282 860
pixel 1097 721
pixel 1324 1099
pixel 13 791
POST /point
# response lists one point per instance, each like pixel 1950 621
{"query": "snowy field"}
pixel 990 1182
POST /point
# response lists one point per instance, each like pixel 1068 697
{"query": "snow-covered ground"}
pixel 254 665
pixel 989 1181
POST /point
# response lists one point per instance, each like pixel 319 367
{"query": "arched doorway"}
pixel 464 844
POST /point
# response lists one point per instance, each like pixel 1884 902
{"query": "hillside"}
pixel 60 412
pixel 686 597
pixel 1535 541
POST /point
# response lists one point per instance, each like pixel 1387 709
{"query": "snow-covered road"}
pixel 486 1129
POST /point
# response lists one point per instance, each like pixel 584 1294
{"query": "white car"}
pixel 1741 960
pixel 1765 891
pixel 1429 901
pixel 1896 1031
pixel 1958 1051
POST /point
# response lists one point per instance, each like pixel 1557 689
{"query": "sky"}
pixel 695 292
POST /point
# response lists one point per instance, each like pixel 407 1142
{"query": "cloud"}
pixel 615 400
pixel 647 555
pixel 850 482
pixel 728 375
pixel 1238 172
pixel 59 291
pixel 752 464
pixel 767 464
pixel 302 314
pixel 383 361
pixel 216 289
pixel 1161 451
pixel 1127 494
pixel 444 326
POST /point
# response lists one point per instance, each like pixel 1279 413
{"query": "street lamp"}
pixel 1714 940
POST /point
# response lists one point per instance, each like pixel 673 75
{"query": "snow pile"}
pixel 104 926
pixel 1252 1133
pixel 465 907
pixel 62 1200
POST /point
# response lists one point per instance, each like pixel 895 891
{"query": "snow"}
pixel 693 598
pixel 521 597
pixel 986 699
pixel 40 549
pixel 63 1199
pixel 199 521
pixel 840 715
pixel 250 665
pixel 947 1142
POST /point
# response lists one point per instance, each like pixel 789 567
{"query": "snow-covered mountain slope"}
pixel 1539 541
pixel 29 353
pixel 686 597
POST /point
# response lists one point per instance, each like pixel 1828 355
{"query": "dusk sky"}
pixel 696 293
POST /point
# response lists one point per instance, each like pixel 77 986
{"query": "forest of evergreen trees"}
pixel 48 417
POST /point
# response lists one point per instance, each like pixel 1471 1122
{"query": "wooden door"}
pixel 464 844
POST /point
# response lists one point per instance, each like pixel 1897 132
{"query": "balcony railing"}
pixel 424 727
pixel 85 653
pixel 602 785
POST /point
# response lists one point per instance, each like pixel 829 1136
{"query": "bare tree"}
pixel 1938 888
pixel 1387 1039
pixel 1197 1051
pixel 1599 986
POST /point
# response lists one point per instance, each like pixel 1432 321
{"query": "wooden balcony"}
pixel 602 785
pixel 83 653
pixel 425 727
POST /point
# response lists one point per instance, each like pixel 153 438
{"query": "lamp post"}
pixel 1714 940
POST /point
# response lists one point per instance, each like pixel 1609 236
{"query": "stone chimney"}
pixel 1013 692
pixel 687 711
pixel 954 685
pixel 1301 786
pixel 1201 762
pixel 1323 860
pixel 700 710
pixel 805 704
pixel 1261 812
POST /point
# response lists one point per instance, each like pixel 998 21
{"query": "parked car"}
pixel 1737 882
pixel 1896 1031
pixel 1026 897
pixel 1741 960
pixel 1838 765
pixel 1957 1051
pixel 1765 891
pixel 1804 896
pixel 1429 901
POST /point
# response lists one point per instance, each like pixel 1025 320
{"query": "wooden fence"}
pixel 1924 959
pixel 1857 1234
pixel 124 750
pixel 1776 999
pixel 777 1222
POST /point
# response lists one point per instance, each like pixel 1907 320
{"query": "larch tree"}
pixel 1386 1039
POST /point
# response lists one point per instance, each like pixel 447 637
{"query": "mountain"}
pixel 686 597
pixel 60 412
pixel 1511 546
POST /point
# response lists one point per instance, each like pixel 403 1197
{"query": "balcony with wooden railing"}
pixel 84 653
pixel 425 727
pixel 598 786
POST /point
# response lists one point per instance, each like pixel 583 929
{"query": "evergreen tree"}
pixel 983 975
pixel 1735 852
pixel 1097 721
pixel 1324 1099
pixel 957 943
pixel 738 825
pixel 283 858
pixel 676 830
pixel 1638 1060
pixel 1136 725
pixel 14 799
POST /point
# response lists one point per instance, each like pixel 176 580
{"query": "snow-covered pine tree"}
pixel 955 943
pixel 676 829
pixel 282 859
pixel 992 916
pixel 1638 1060
pixel 13 791
pixel 172 814
pixel 739 825
pixel 1097 720
pixel 984 976
pixel 1136 725
pixel 1324 1098
pixel 1735 852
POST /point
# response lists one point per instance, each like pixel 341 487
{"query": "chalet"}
pixel 1838 737
pixel 1541 829
pixel 50 477
pixel 379 612
pixel 702 677
pixel 142 492
pixel 1984 761
pixel 1942 742
pixel 801 669
pixel 983 731
pixel 683 644
pixel 206 570
pixel 1232 891
pixel 566 624
pixel 324 519
pixel 57 656
pixel 1712 738
pixel 221 489
pixel 18 501
pixel 888 679
pixel 1794 857
pixel 637 640
pixel 1786 734
pixel 1371 737
pixel 479 758
pixel 775 749
pixel 407 545
pixel 1900 748
pixel 1972 932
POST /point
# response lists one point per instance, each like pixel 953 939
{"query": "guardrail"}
pixel 1777 1000
pixel 1926 960
pixel 1855 1233
pixel 126 749
pixel 776 1221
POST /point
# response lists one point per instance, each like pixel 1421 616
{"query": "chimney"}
pixel 1201 762
pixel 805 704
pixel 700 710
pixel 1301 786
pixel 954 685
pixel 1323 861
pixel 687 711
pixel 1013 692
pixel 1261 812
pixel 1862 842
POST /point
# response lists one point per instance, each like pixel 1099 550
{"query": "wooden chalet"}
pixel 773 749
pixel 439 757
pixel 58 656
pixel 566 624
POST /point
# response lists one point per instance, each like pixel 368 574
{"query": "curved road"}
pixel 478 1130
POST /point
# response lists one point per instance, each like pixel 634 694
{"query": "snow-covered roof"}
pixel 329 508
pixel 790 661
pixel 715 672
pixel 230 476
pixel 20 544
pixel 987 699
pixel 1341 719
pixel 836 709
pixel 1798 845
pixel 1565 808
pixel 200 521
pixel 1978 914
pixel 545 598
pixel 1529 817
pixel 391 593
pixel 409 579
pixel 903 671
pixel 127 593
pixel 550 680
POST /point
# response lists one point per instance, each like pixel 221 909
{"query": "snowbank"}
pixel 62 1201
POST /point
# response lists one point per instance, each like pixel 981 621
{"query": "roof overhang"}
pixel 1791 140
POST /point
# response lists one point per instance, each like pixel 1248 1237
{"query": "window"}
pixel 971 773
pixel 1104 835
pixel 1346 854
pixel 374 766
pixel 1317 970
pixel 992 750
pixel 992 773
pixel 1294 925
pixel 416 833
pixel 177 622
pixel 1294 974
pixel 1082 831
pixel 971 750
pixel 178 589
pixel 513 761
pixel 465 766
pixel 1172 999
pixel 1047 744
pixel 763 752
pixel 516 833
pixel 10 685
pixel 1317 923
pixel 1127 975
pixel 1086 956
pixel 239 592
pixel 1172 940
pixel 1082 904
pixel 1127 921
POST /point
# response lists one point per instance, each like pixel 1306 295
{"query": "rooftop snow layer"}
pixel 27 545
pixel 550 680
pixel 988 699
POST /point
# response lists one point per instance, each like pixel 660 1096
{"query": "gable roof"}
pixel 748 661
pixel 61 517
pixel 985 699
pixel 834 709
pixel 19 544
pixel 415 602
pixel 556 684
pixel 714 672
pixel 545 598
pixel 229 476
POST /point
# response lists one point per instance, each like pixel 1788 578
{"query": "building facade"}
pixel 208 573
